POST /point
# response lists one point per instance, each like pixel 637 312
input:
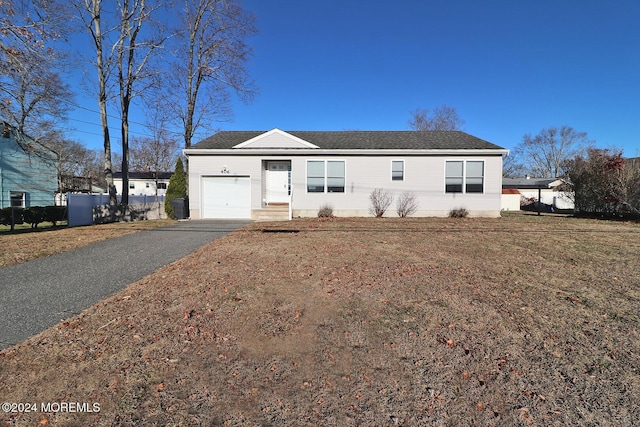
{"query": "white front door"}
pixel 278 182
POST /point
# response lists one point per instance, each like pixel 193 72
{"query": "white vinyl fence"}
pixel 87 209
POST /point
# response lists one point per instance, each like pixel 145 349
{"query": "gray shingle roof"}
pixel 144 175
pixel 361 140
pixel 527 183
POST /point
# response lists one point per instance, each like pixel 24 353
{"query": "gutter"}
pixel 342 152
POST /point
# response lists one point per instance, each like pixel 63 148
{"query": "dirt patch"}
pixel 511 321
pixel 26 246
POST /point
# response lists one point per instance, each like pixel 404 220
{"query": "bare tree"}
pixel 132 60
pixel 90 12
pixel 33 97
pixel 209 63
pixel 442 118
pixel 512 167
pixel 156 155
pixel 27 27
pixel 123 50
pixel 546 154
pixel 32 94
pixel 74 159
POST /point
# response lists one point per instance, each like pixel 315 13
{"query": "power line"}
pixel 73 104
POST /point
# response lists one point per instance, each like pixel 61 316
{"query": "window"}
pixel 325 176
pixel 315 176
pixel 132 185
pixel 17 199
pixel 475 177
pixel 335 176
pixel 469 173
pixel 397 170
pixel 454 177
pixel 162 186
pixel 147 184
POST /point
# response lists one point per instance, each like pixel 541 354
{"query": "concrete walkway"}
pixel 38 294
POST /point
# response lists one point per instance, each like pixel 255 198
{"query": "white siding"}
pixel 142 187
pixel 423 176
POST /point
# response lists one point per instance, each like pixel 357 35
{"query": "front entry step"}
pixel 272 212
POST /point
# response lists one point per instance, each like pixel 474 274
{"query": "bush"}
pixel 55 214
pixel 458 213
pixel 407 205
pixel 605 184
pixel 380 201
pixel 177 188
pixel 5 216
pixel 34 216
pixel 326 211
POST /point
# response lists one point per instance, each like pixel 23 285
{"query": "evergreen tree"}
pixel 177 188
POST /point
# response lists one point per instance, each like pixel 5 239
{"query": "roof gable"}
pixel 275 138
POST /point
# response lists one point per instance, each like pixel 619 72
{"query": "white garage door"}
pixel 226 197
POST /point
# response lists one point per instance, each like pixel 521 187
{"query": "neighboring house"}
pixel 243 174
pixel 144 183
pixel 28 170
pixel 550 190
pixel 76 185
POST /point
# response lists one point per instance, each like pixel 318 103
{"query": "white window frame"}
pixel 465 176
pixel 326 176
pixel 403 169
pixel 13 197
pixel 457 176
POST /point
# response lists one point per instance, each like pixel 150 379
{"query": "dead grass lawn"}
pixel 27 245
pixel 512 321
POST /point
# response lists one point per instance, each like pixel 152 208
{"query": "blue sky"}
pixel 508 67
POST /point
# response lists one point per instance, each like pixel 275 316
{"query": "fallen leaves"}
pixel 367 337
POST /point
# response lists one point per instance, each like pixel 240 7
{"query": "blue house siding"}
pixel 27 170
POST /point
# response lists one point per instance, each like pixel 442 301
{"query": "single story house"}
pixel 144 183
pixel 243 174
pixel 551 192
pixel 28 170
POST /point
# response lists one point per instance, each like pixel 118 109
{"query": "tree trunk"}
pixel 102 99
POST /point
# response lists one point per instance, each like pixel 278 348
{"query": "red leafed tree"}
pixel 606 183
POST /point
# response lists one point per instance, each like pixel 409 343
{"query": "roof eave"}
pixel 345 152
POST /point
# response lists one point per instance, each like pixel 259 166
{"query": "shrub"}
pixel 177 188
pixel 5 216
pixel 458 213
pixel 326 211
pixel 34 216
pixel 55 214
pixel 381 199
pixel 407 204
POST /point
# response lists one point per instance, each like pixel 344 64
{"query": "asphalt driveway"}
pixel 38 294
